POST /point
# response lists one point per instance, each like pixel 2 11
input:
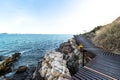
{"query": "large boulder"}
pixel 54 66
pixel 65 48
pixel 5 65
pixel 21 69
pixel 71 54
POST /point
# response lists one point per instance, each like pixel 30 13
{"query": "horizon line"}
pixel 42 33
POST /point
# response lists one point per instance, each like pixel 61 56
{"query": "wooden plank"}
pixel 105 63
pixel 100 73
pixel 92 74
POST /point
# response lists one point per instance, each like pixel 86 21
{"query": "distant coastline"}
pixel 33 34
pixel 4 33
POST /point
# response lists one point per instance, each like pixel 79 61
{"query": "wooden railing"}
pixel 105 65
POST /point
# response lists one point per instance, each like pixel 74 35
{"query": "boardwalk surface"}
pixel 105 66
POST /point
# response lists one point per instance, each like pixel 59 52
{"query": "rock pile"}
pixel 59 64
pixel 71 54
pixel 65 48
pixel 54 67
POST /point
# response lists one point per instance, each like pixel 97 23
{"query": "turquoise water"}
pixel 32 46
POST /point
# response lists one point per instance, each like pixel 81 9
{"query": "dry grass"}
pixel 108 37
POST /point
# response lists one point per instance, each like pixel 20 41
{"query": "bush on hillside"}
pixel 108 37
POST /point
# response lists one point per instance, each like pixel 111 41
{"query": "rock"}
pixel 62 63
pixel 73 43
pixel 21 69
pixel 2 58
pixel 50 77
pixel 2 78
pixel 43 70
pixel 5 65
pixel 48 74
pixel 65 73
pixel 71 54
pixel 66 57
pixel 62 78
pixel 56 71
pixel 36 74
pixel 20 76
pixel 65 48
pixel 53 66
pixel 16 55
pixel 73 63
pixel 10 75
pixel 22 73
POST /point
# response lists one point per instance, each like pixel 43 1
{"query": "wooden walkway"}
pixel 105 65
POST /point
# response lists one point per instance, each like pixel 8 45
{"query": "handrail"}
pixel 112 59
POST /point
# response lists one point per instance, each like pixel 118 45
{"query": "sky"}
pixel 56 16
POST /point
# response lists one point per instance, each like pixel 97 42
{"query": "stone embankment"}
pixel 71 54
pixel 60 64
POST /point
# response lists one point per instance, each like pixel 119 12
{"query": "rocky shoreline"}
pixel 54 67
pixel 7 72
pixel 60 64
pixel 5 65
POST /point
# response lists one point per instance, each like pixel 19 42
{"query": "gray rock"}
pixel 65 48
pixel 22 69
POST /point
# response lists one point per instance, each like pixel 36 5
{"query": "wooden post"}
pixel 83 58
pixel 81 50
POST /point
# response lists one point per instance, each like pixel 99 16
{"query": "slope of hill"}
pixel 108 36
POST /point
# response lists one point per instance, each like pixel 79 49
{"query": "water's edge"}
pixel 33 51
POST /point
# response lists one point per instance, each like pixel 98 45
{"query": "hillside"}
pixel 107 36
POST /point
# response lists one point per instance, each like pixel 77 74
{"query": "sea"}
pixel 31 46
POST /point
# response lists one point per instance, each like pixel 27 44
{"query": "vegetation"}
pixel 108 36
pixel 96 29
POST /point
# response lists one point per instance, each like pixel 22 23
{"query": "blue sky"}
pixel 55 16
